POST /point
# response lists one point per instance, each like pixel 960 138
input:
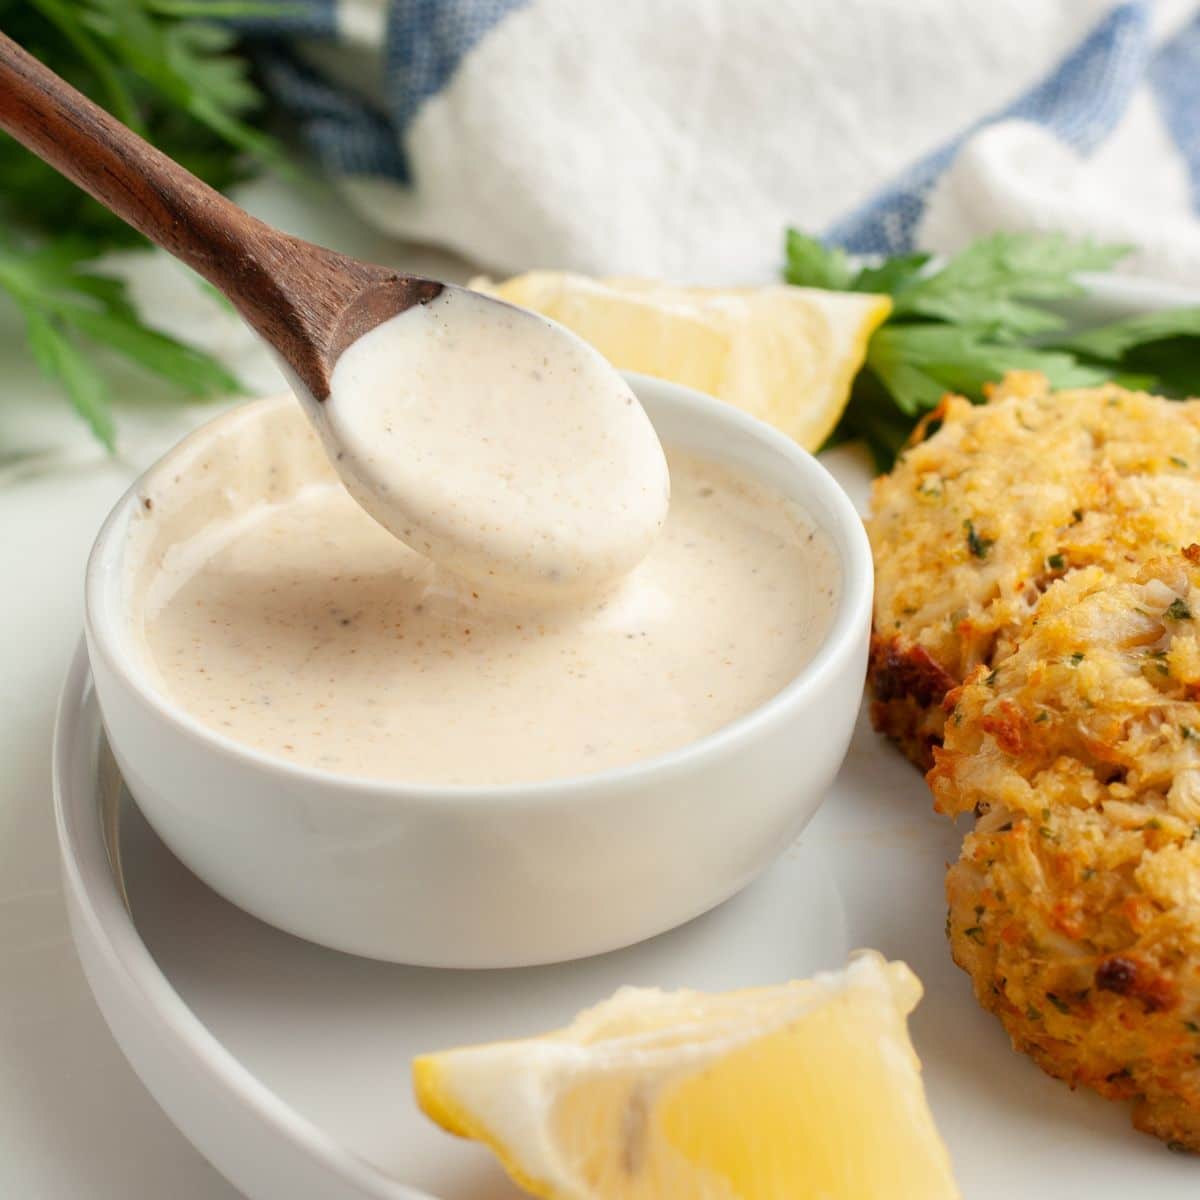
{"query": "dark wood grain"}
pixel 308 302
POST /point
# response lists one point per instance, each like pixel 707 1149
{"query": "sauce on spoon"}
pixel 500 446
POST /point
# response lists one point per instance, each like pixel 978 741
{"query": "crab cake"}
pixel 999 501
pixel 1075 904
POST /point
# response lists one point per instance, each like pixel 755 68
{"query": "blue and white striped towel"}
pixel 677 137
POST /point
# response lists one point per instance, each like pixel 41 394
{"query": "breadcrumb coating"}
pixel 1075 904
pixel 993 503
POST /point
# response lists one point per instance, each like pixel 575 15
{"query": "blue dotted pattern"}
pixel 426 42
pixel 346 134
pixel 1080 102
pixel 1175 82
pixel 290 18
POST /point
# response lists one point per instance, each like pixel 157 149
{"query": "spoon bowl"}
pixel 535 472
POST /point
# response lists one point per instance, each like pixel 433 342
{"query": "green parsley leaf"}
pixel 984 286
pixel 960 325
pixel 892 275
pixel 1155 350
pixel 874 416
pixel 67 303
pixel 810 263
pixel 1172 367
pixel 171 72
pixel 920 363
pixel 1113 342
pixel 60 359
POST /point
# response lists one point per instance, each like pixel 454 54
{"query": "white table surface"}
pixel 75 1122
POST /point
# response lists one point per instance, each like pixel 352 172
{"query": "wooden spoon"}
pixel 485 498
pixel 308 303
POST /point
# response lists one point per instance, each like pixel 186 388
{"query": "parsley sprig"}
pixel 962 324
pixel 171 72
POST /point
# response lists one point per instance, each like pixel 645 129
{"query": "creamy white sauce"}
pixel 271 608
pixel 499 445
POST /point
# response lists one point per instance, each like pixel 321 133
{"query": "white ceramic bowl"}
pixel 496 876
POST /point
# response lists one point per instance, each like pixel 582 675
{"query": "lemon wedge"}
pixel 786 354
pixel 805 1090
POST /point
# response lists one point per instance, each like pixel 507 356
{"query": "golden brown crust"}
pixel 908 687
pixel 1075 903
pixel 992 504
pixel 1036 649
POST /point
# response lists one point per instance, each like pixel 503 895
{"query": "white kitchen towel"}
pixel 677 138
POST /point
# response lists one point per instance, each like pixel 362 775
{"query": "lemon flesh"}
pixel 806 1091
pixel 788 355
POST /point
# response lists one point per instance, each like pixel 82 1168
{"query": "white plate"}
pixel 287 1064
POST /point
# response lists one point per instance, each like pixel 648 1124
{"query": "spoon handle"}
pixel 144 187
pixel 291 292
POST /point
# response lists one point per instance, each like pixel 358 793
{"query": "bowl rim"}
pixel 850 624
